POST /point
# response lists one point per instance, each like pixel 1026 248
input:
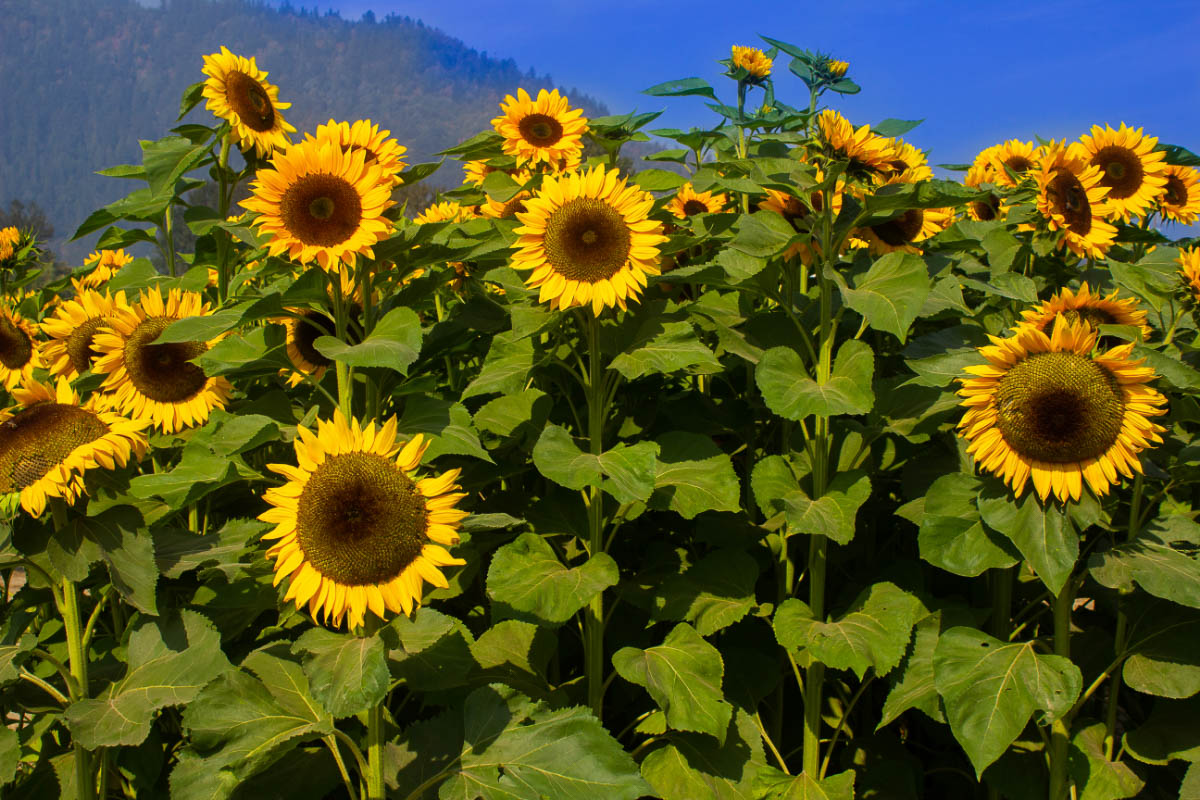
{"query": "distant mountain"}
pixel 84 80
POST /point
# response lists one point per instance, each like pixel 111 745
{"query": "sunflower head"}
pixel 836 68
pixel 588 239
pixel 379 150
pixel 356 528
pixel 1180 198
pixel 104 264
pixel 751 59
pixel 1011 161
pixel 1053 410
pixel 1130 168
pixel 237 92
pixel 687 202
pixel 1092 308
pixel 540 131
pixel 1072 200
pixel 73 326
pixel 9 237
pixel 867 153
pixel 1189 268
pixel 322 202
pixel 446 211
pixel 20 352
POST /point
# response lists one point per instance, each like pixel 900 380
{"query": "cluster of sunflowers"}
pixel 543 278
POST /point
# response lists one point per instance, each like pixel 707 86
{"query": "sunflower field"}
pixel 780 469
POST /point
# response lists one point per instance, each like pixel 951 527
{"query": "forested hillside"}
pixel 83 80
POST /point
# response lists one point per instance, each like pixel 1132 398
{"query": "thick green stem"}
pixel 222 212
pixel 1060 735
pixel 332 743
pixel 375 790
pixel 77 659
pixel 594 619
pixel 815 674
pixel 741 104
pixel 343 370
pixel 169 236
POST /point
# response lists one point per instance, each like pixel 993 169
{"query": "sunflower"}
pixel 687 201
pixel 908 162
pixel 1180 200
pixel 542 130
pixel 866 152
pixel 323 202
pixel 475 171
pixel 157 381
pixel 104 264
pixel 356 530
pixel 446 211
pixel 1090 307
pixel 990 207
pixel 70 351
pixel 1071 198
pixel 19 351
pixel 307 325
pixel 1129 167
pixel 836 68
pixel 752 60
pixel 1189 263
pixel 1048 408
pixel 903 232
pixel 587 238
pixel 9 237
pixel 1012 158
pixel 387 154
pixel 48 443
pixel 237 91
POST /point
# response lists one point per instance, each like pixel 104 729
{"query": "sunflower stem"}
pixel 1059 734
pixel 343 369
pixel 594 619
pixel 169 240
pixel 223 212
pixel 332 743
pixel 741 147
pixel 77 658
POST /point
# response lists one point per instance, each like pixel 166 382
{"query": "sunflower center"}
pixel 1176 191
pixel 360 520
pixel 1018 164
pixel 41 436
pixel 1122 170
pixel 15 347
pixel 250 100
pixel 322 210
pixel 987 209
pixel 587 240
pixel 1059 407
pixel 163 372
pixel 79 343
pixel 1069 199
pixel 903 229
pixel 540 130
pixel 1094 317
pixel 694 207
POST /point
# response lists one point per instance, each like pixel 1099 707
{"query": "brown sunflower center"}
pixel 1018 164
pixel 1092 316
pixel 987 209
pixel 41 436
pixel 1069 199
pixel 513 207
pixel 587 240
pixel 695 207
pixel 15 346
pixel 1059 407
pixel 250 100
pixel 321 209
pixel 902 230
pixel 305 331
pixel 1176 192
pixel 1122 170
pixel 79 343
pixel 540 130
pixel 163 372
pixel 360 520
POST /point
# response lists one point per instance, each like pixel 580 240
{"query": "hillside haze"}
pixel 84 80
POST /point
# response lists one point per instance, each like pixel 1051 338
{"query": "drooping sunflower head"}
pixel 49 441
pixel 9 237
pixel 237 91
pixel 356 528
pixel 157 381
pixel 542 130
pixel 1180 198
pixel 20 352
pixel 380 150
pixel 751 59
pixel 445 211
pixel 1189 268
pixel 1071 199
pixel 1092 308
pixel 1011 161
pixel 104 264
pixel 588 238
pixel 1050 409
pixel 1129 167
pixel 71 328
pixel 867 153
pixel 322 202
pixel 687 202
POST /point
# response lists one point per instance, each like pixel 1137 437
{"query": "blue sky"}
pixel 978 72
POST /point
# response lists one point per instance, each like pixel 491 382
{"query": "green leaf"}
pixel 952 535
pixel 873 633
pixel 834 513
pixel 194 476
pixel 239 725
pixel 1096 776
pixel 527 581
pixel 200 329
pixel 1150 560
pixel 504 416
pixel 10 755
pixel 1164 648
pixel 506 367
pixel 683 675
pixel 790 393
pixel 238 350
pixel 447 424
pixel 170 661
pixel 1043 534
pixel 515 644
pixel 119 538
pixel 429 651
pixel 891 294
pixel 675 348
pixel 693 766
pixel 715 592
pixel 177 552
pixel 890 200
pixel 516 748
pixel 891 128
pixel 629 468
pixel 681 88
pixel 772 784
pixel 1170 733
pixel 394 343
pixel 13 655
pixel 169 159
pixel 228 434
pixel 693 476
pixel 762 234
pixel 914 686
pixel 558 458
pixel 991 689
pixel 659 180
pixel 348 674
